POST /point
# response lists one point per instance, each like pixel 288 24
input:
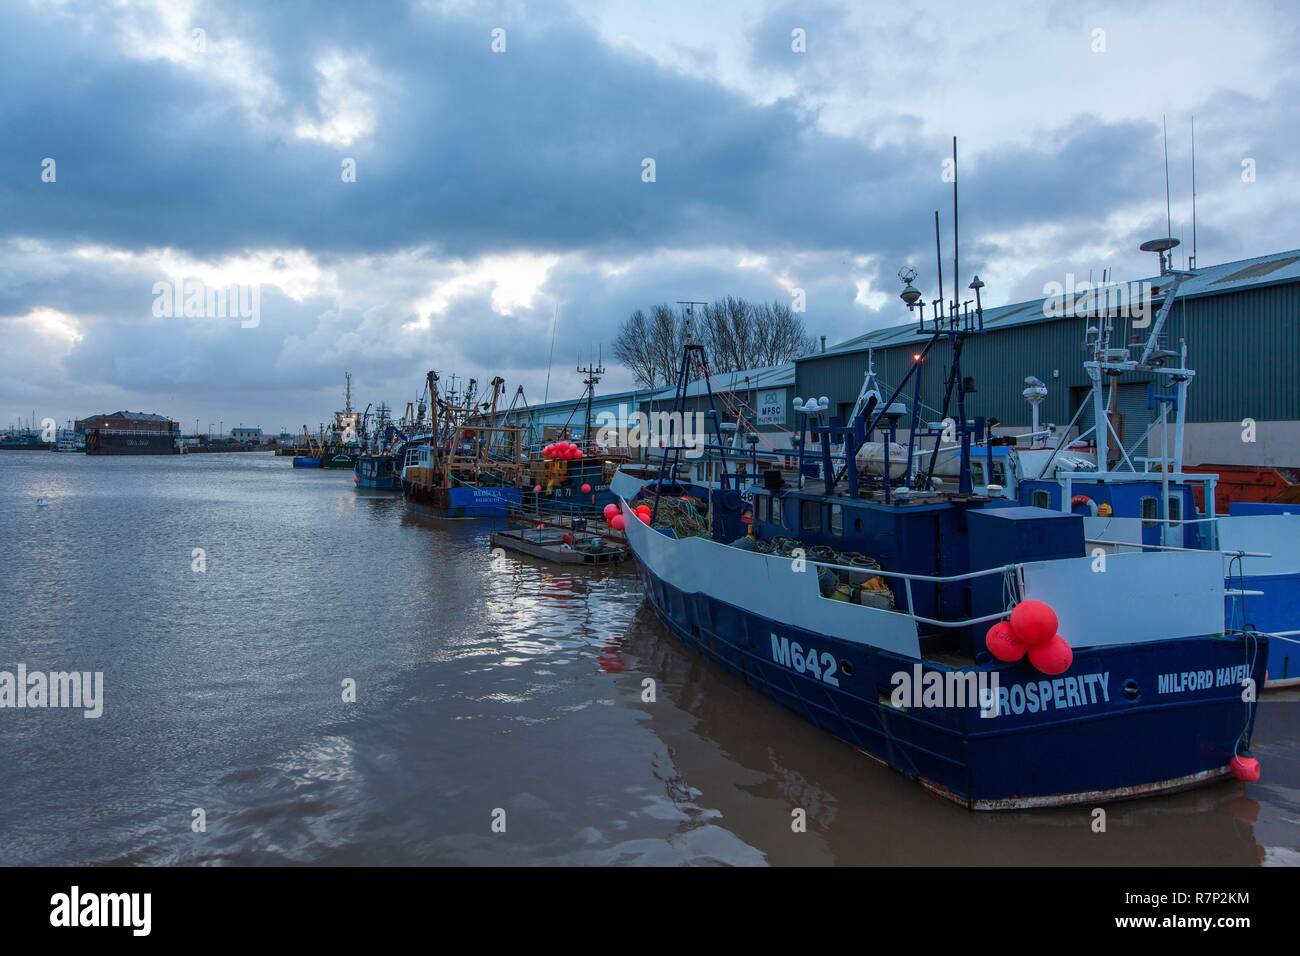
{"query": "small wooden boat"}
pixel 560 546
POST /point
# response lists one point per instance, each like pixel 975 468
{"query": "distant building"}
pixel 129 433
pixel 249 436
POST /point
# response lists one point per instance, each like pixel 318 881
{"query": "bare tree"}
pixel 728 334
pixel 736 335
pixel 779 335
pixel 634 347
pixel 669 333
pixel 650 345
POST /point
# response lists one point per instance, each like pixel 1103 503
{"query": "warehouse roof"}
pixel 1273 269
pixel 602 398
pixel 133 416
pixel 769 376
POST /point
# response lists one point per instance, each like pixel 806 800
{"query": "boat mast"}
pixel 593 372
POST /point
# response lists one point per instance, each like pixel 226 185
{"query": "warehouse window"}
pixel 812 515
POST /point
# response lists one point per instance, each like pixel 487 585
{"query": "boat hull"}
pixel 377 473
pixel 1126 720
pixel 384 483
pixel 1276 607
pixel 339 459
pixel 465 502
pixel 1272 601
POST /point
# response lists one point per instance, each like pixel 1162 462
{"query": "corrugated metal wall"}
pixel 1244 346
pixel 744 399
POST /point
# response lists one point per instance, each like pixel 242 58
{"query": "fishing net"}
pixel 682 517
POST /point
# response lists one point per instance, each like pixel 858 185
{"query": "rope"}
pixel 1251 657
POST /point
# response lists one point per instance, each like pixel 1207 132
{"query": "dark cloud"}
pixel 540 150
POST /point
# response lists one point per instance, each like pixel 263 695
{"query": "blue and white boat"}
pixel 1158 695
pixel 1147 502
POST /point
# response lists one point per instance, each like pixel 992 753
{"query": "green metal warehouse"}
pixel 1240 321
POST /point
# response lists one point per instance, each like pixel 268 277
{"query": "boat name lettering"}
pixel 1060 693
pixel 1184 681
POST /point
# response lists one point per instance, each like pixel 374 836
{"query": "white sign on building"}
pixel 771 407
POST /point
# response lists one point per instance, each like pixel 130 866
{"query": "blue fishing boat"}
pixel 378 472
pixel 913 622
pixel 462 468
pixel 379 464
pixel 1134 502
pixel 306 461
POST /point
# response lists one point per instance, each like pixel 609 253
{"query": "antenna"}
pixel 1169 225
pixel 688 309
pixel 938 256
pixel 592 372
pixel 956 273
pixel 555 319
pixel 1192 263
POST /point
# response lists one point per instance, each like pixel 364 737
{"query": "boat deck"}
pixel 549 545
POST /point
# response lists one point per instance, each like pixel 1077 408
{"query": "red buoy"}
pixel 1034 622
pixel 1246 769
pixel 1003 644
pixel 586 489
pixel 610 510
pixel 1052 657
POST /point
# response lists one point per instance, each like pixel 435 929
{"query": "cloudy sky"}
pixel 499 176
